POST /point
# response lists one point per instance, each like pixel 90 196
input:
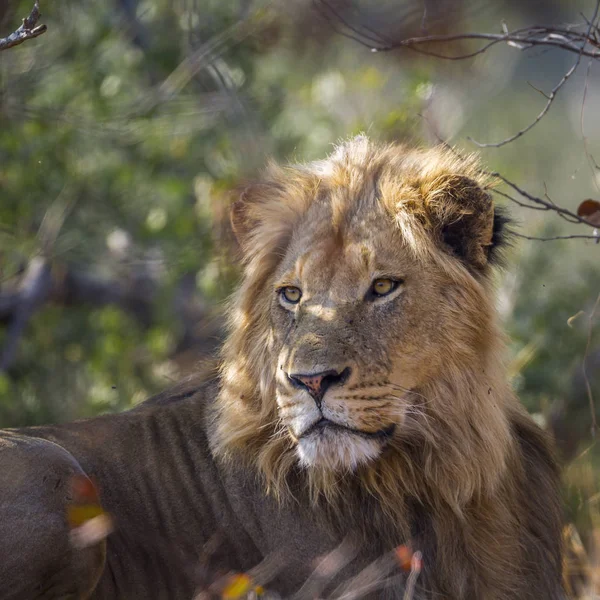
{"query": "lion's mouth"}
pixel 326 425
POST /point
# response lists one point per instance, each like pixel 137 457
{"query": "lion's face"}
pixel 364 325
pixel 356 322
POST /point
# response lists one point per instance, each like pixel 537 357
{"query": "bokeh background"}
pixel 124 128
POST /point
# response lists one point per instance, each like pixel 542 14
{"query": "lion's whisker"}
pixel 410 391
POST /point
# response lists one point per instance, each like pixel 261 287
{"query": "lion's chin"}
pixel 337 450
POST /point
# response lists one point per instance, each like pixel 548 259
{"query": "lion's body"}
pixel 168 499
pixel 416 440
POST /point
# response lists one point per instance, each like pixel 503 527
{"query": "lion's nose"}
pixel 316 384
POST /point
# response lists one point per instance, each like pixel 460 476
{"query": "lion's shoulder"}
pixel 203 387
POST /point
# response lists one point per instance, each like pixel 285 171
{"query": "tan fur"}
pixel 429 361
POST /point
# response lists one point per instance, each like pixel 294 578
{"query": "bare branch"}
pixel 556 237
pixel 573 217
pixel 518 202
pixel 27 31
pixel 542 92
pixel 583 43
pixel 550 96
pixel 566 38
pixel 590 159
pixel 369 37
pixel 44 283
pixel 533 202
pixel 33 291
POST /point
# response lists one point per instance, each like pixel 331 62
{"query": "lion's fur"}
pixel 459 453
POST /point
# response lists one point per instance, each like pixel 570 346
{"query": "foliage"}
pixel 115 150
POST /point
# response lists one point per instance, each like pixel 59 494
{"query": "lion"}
pixel 360 400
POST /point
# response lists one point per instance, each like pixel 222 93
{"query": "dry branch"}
pixel 27 31
pixel 593 24
pixel 582 40
pixel 33 291
pixel 532 202
pixel 576 39
pixel 45 283
pixel 542 204
pixel 554 237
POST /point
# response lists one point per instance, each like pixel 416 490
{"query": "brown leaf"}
pixel 588 207
pixel 590 210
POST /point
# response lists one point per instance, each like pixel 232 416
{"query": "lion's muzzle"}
pixel 316 384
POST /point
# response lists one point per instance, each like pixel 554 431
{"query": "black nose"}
pixel 316 384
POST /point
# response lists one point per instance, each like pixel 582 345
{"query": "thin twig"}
pixel 590 159
pixel 518 202
pixel 523 38
pixel 540 201
pixel 27 31
pixel 551 96
pixel 556 237
pixel 371 35
pixel 331 16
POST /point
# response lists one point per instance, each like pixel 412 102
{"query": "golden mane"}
pixel 460 459
pixel 463 456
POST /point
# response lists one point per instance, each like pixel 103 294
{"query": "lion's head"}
pixel 363 341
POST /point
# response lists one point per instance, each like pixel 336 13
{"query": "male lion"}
pixel 361 396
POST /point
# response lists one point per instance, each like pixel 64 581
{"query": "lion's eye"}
pixel 291 294
pixel 384 286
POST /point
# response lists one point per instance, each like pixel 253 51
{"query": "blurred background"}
pixel 125 126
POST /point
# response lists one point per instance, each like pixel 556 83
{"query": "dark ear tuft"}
pixel 501 236
pixel 462 215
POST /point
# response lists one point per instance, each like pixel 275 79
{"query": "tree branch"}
pixel 552 95
pixel 546 204
pixel 531 202
pixel 44 283
pixel 33 291
pixel 27 31
pixel 555 237
pixel 566 38
pixel 583 42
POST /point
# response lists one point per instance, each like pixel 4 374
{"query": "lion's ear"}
pixel 238 216
pixel 262 217
pixel 244 214
pixel 462 215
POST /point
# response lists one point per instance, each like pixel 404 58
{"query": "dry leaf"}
pixel 590 210
pixel 572 319
pixel 238 585
pixel 404 555
pixel 92 532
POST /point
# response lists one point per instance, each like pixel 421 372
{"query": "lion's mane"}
pixel 470 464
